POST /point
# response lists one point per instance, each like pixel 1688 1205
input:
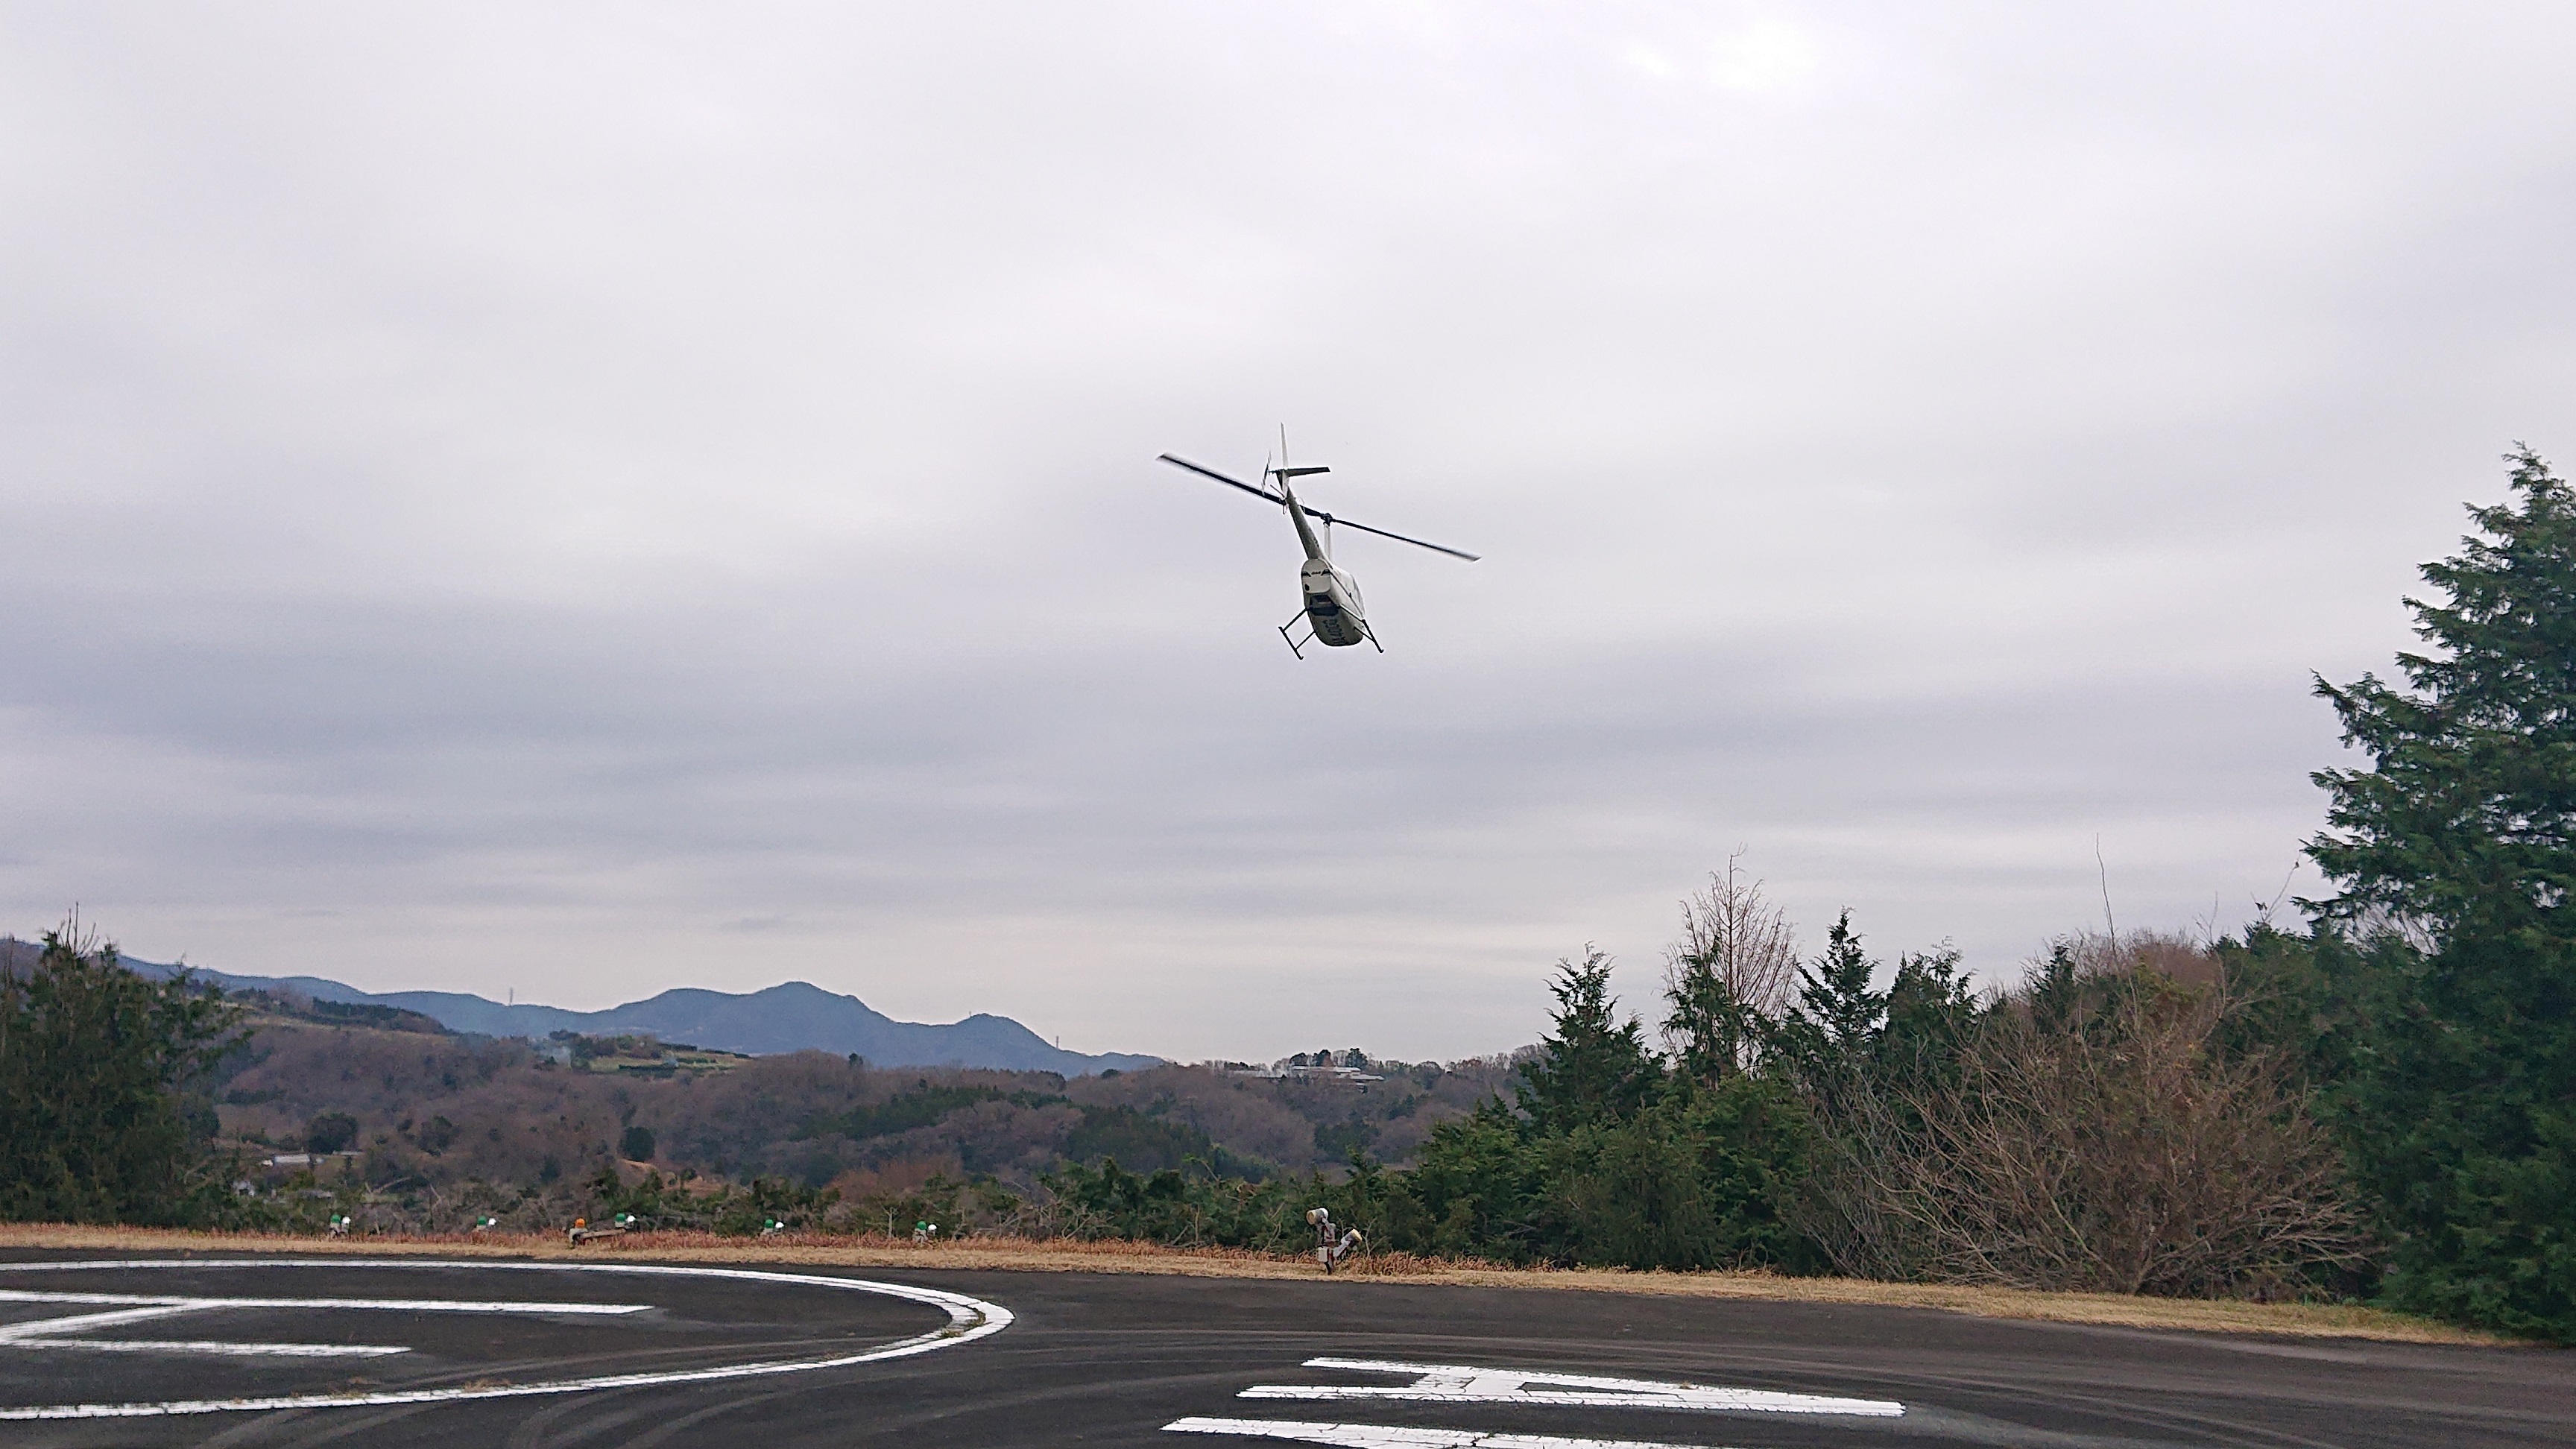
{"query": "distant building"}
pixel 309 1159
pixel 1352 1076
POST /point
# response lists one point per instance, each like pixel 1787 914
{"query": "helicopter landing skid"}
pixel 1295 644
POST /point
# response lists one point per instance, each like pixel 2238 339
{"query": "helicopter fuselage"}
pixel 1332 597
pixel 1332 604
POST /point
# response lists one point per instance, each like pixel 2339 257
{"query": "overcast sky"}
pixel 586 499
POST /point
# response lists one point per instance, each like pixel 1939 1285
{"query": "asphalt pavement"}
pixel 259 1351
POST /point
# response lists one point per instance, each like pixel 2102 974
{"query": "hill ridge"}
pixel 789 1016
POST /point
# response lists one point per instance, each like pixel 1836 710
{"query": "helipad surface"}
pixel 264 1351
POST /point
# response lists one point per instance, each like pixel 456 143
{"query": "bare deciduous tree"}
pixel 1736 961
pixel 2113 1147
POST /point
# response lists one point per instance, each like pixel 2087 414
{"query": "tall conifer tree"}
pixel 2462 833
pixel 1595 1066
pixel 1829 1039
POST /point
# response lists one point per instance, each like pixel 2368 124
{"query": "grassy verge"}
pixel 2301 1320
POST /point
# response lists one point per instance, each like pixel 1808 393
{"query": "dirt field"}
pixel 2300 1320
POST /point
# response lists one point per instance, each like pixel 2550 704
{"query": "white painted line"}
pixel 400 1305
pixel 219 1347
pixel 1468 1384
pixel 41 1326
pixel 968 1319
pixel 1389 1436
pixel 50 1332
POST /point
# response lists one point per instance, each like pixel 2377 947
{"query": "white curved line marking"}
pixel 1388 1436
pixel 968 1319
pixel 1468 1384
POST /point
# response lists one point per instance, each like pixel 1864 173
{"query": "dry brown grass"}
pixel 2300 1320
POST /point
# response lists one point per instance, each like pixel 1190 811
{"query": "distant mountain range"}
pixel 795 1016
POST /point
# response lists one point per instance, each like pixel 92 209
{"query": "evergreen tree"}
pixel 1931 1013
pixel 1594 1066
pixel 1834 995
pixel 2054 993
pixel 1703 1177
pixel 2315 999
pixel 1478 1183
pixel 1709 1026
pixel 97 1120
pixel 1828 1040
pixel 2462 832
pixel 1611 1161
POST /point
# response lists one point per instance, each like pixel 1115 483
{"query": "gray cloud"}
pixel 589 499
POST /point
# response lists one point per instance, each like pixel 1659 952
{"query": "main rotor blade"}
pixel 1229 482
pixel 1399 538
pixel 1265 494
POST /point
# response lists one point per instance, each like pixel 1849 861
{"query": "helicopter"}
pixel 1333 613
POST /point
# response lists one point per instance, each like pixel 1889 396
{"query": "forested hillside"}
pixel 441 1109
